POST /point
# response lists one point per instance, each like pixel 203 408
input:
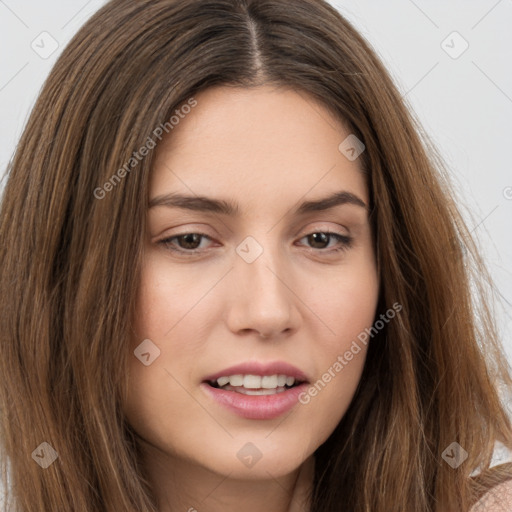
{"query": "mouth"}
pixel 256 391
pixel 255 385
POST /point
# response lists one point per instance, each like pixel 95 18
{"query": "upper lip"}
pixel 262 369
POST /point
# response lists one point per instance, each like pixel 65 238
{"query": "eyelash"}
pixel 345 242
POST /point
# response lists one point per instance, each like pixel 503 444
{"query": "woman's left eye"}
pixel 189 239
pixel 322 237
pixel 190 243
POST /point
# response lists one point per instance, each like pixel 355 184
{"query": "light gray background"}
pixel 464 103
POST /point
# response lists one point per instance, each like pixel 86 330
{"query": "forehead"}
pixel 257 143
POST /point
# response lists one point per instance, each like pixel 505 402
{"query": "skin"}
pixel 300 301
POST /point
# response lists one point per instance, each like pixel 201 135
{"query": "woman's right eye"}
pixel 186 243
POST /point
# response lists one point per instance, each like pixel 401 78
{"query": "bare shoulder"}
pixel 498 499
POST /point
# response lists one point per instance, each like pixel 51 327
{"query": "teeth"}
pixel 236 380
pixel 252 382
pixel 222 381
pixel 269 381
pixel 245 391
pixel 256 381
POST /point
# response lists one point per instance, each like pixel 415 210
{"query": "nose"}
pixel 262 300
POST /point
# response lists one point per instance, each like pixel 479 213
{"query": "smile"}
pixel 255 384
pixel 256 391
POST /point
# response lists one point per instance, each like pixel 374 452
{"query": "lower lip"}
pixel 256 407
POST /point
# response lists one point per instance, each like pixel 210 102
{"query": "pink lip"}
pixel 255 368
pixel 256 407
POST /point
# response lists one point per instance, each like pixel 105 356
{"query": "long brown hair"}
pixel 72 246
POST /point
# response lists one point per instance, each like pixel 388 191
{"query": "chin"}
pixel 255 457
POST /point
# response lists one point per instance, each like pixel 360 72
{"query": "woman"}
pixel 237 278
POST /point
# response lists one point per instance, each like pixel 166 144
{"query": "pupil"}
pixel 324 239
pixel 192 238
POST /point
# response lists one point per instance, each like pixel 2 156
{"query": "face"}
pixel 252 290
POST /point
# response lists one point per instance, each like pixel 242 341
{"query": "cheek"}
pixel 347 308
pixel 166 298
pixel 166 312
pixel 346 302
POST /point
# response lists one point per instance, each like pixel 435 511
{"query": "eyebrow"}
pixel 221 206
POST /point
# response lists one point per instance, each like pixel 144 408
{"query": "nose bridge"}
pixel 259 266
pixel 262 300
